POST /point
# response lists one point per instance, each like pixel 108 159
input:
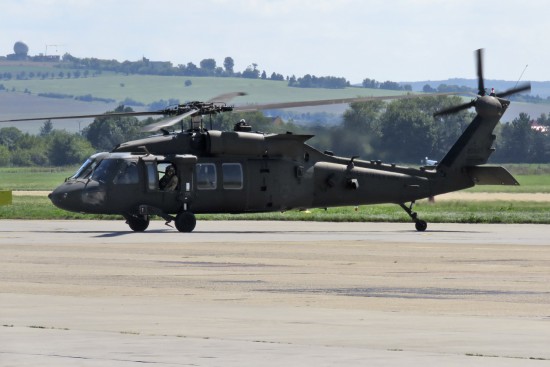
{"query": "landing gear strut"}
pixel 419 224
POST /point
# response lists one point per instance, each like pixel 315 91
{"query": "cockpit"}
pixel 102 167
pixel 87 189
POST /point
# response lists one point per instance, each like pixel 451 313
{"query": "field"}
pixel 534 179
pixel 16 103
pixel 150 88
pixel 20 98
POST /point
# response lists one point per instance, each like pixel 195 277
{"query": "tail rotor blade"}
pixel 509 92
pixel 480 84
pixel 455 109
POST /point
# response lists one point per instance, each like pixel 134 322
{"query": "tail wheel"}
pixel 185 222
pixel 419 224
pixel 138 223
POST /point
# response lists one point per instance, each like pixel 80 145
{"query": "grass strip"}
pixel 32 207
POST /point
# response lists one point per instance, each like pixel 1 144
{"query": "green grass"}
pixel 31 207
pixel 33 178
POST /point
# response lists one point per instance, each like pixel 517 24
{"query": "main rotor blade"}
pixel 167 122
pixel 322 102
pixel 509 92
pixel 119 114
pixel 480 85
pixel 226 97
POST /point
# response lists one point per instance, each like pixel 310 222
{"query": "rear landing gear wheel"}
pixel 421 225
pixel 138 223
pixel 185 222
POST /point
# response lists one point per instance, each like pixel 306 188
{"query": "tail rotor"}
pixel 481 99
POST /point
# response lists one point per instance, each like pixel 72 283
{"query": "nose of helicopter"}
pixel 87 197
pixel 67 196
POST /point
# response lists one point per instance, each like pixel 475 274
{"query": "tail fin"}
pixel 462 166
pixel 491 175
pixel 475 145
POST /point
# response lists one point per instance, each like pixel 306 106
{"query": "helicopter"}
pixel 243 171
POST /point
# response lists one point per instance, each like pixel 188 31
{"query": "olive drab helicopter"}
pixel 245 171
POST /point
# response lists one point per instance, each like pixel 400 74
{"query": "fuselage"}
pixel 235 172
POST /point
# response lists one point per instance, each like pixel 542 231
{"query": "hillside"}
pixel 21 99
pixel 542 89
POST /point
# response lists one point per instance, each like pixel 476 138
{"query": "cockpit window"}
pixel 105 169
pixel 85 170
pixel 127 173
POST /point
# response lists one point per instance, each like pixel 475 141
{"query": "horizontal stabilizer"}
pixel 491 175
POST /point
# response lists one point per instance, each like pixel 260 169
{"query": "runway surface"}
pixel 241 293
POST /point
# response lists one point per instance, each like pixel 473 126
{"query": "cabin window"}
pixel 152 176
pixel 232 176
pixel 206 176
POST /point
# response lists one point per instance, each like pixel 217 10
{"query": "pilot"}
pixel 169 181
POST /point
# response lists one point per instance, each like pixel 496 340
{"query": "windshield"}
pixel 105 169
pixel 85 170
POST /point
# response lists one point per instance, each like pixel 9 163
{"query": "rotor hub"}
pixel 488 106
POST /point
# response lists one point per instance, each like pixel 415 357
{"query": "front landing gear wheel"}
pixel 138 223
pixel 421 225
pixel 185 222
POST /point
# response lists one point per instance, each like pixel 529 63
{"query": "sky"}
pixel 397 40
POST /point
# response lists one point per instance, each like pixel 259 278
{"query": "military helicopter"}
pixel 243 171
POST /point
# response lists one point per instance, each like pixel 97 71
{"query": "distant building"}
pixel 46 58
pixel 20 50
pixel 540 128
pixel 21 53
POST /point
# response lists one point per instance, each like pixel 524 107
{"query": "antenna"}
pixel 525 68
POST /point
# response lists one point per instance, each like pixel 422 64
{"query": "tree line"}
pixel 89 66
pixel 401 131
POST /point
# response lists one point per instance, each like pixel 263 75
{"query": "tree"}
pixel 370 83
pixel 10 137
pixel 251 72
pixel 47 128
pixel 390 85
pixel 106 132
pixel 208 65
pixel 191 69
pixel 66 148
pixel 228 64
pixel 360 129
pixel 275 76
pixel 4 156
pixel 516 141
pixel 428 89
pixel 407 132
